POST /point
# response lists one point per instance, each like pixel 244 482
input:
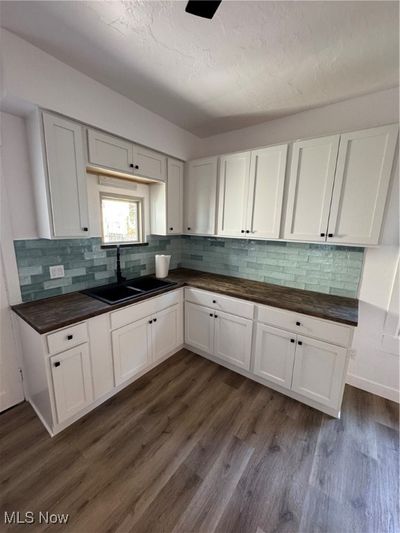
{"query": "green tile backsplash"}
pixel 322 268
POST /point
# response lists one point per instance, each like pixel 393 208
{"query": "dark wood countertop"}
pixel 60 311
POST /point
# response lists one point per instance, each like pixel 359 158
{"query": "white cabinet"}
pixel 232 339
pixel 339 185
pixel 166 332
pixel 110 152
pixel 59 178
pixel 319 370
pixel 222 335
pixel 274 355
pixel 310 188
pixel 72 381
pixel 114 153
pixel 166 202
pixel 362 179
pixel 200 191
pixel 199 327
pixel 251 188
pixel 132 349
pixel 233 194
pixel 174 196
pixel 101 355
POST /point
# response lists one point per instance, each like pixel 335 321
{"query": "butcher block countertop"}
pixel 59 311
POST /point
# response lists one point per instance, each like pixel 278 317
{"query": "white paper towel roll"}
pixel 162 265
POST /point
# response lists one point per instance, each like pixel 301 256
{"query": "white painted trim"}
pixel 373 387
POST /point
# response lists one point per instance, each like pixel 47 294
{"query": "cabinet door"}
pixel 232 339
pixel 109 151
pixel 319 370
pixel 310 188
pixel 267 179
pixel 131 349
pixel 149 164
pixel 72 381
pixel 101 355
pixel 67 176
pixel 233 194
pixel 362 179
pixel 166 331
pixel 174 196
pixel 274 355
pixel 199 327
pixel 200 189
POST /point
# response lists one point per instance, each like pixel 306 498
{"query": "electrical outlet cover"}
pixel 56 271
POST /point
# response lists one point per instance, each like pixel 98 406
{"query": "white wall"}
pixel 357 113
pixel 31 76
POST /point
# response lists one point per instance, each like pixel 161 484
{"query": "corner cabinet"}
pixel 59 176
pixel 338 187
pixel 111 152
pixel 251 186
pixel 200 192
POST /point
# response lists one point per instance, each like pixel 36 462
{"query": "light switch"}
pixel 56 271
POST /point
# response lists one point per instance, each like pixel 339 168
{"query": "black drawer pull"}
pixel 211 314
pixel 137 167
pixel 131 165
pixel 291 340
pixel 242 231
pixel 171 229
pixel 215 316
pixel 322 234
pixel 85 229
pixel 189 229
pixel 299 343
pixel 330 234
pixel 247 231
pixel 150 321
pixel 298 324
pixel 70 337
pixel 57 363
pixel 154 320
pixel 214 301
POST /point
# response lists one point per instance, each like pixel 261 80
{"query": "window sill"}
pixel 124 245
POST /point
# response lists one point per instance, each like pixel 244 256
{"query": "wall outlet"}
pixel 56 271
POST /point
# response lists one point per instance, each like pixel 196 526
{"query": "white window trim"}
pixel 127 198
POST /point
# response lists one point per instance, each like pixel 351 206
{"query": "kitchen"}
pixel 274 331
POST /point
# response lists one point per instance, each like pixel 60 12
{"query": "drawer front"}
pixel 130 314
pixel 306 325
pixel 216 301
pixel 67 338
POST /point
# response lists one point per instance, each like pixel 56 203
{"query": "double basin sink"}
pixel 128 290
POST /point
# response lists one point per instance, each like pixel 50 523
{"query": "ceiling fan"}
pixel 202 8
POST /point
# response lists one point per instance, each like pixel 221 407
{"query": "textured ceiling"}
pixel 253 62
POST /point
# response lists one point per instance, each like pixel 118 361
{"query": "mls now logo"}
pixel 29 517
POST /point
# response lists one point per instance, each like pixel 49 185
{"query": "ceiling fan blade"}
pixel 203 8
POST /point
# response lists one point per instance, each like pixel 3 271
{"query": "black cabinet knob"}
pixel 291 340
pixel 242 231
pixel 298 324
pixel 215 316
pixel 322 234
pixel 57 363
pixel 137 167
pixel 171 229
pixel 150 321
pixel 247 231
pixel 299 343
pixel 154 320
pixel 131 165
pixel 211 314
pixel 214 301
pixel 85 229
pixel 330 234
pixel 70 337
pixel 189 229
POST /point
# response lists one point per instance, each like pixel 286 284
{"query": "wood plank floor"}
pixel 194 447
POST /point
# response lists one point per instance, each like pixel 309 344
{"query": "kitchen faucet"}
pixel 120 277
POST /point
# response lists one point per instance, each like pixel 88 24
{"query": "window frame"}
pixel 140 206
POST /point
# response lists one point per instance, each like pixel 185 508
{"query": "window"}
pixel 121 218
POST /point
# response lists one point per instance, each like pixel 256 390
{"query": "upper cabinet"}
pixel 120 155
pixel 338 187
pixel 58 164
pixel 251 188
pixel 166 201
pixel 200 191
pixel 363 171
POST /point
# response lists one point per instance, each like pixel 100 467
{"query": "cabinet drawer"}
pixel 227 304
pixel 67 338
pixel 130 314
pixel 306 325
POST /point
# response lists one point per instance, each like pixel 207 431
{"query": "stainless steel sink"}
pixel 130 289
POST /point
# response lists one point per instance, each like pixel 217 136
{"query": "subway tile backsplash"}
pixel 321 268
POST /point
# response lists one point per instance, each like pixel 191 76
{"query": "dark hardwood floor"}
pixel 194 447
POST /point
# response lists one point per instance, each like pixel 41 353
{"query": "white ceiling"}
pixel 253 62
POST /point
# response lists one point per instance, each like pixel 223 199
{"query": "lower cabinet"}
pixel 72 381
pixel 223 335
pixel 131 349
pixel 166 332
pixel 274 355
pixel 318 371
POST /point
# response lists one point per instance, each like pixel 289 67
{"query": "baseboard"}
pixel 373 387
